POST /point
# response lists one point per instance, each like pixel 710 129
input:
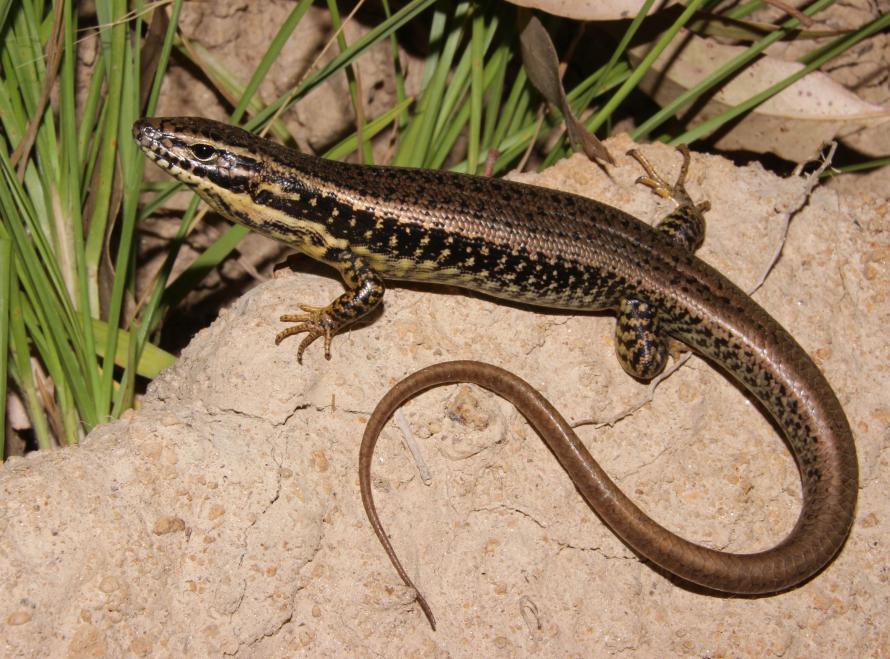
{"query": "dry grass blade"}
pixel 53 59
pixel 152 47
pixel 791 11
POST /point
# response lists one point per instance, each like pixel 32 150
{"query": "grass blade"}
pixel 5 292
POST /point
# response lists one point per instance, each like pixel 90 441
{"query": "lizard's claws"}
pixel 661 187
pixel 316 322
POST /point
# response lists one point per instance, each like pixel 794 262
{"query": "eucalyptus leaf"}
pixel 542 65
pixel 793 124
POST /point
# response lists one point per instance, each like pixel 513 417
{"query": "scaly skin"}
pixel 551 249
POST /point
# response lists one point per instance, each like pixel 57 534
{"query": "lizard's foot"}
pixel 316 322
pixel 685 225
pixel 661 187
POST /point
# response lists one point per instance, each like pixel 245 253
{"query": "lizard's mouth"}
pixel 160 146
pixel 193 157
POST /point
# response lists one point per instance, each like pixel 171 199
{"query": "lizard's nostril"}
pixel 144 129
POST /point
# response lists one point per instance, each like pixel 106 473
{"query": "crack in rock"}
pixel 519 511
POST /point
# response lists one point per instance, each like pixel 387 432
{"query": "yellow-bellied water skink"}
pixel 550 249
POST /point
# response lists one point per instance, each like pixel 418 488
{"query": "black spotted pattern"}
pixel 552 249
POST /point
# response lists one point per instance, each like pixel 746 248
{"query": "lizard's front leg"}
pixel 365 291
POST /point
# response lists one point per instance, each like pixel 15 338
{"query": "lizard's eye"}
pixel 203 152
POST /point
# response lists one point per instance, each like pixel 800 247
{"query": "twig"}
pixel 529 612
pixel 642 401
pixel 802 18
pixel 809 183
pixel 249 268
pixel 408 439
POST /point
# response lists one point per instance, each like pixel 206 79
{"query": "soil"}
pixel 224 517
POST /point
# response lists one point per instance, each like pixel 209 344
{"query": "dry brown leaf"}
pixel 542 65
pixel 589 10
pixel 611 10
pixel 793 124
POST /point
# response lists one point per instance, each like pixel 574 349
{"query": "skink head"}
pixel 213 158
